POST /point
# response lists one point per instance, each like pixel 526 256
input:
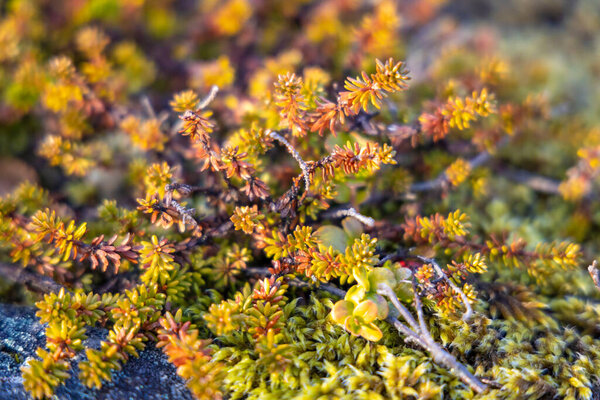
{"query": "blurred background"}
pixel 156 48
pixel 131 56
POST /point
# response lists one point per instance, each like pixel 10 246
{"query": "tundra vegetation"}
pixel 336 199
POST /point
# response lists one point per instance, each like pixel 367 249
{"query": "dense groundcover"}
pixel 299 199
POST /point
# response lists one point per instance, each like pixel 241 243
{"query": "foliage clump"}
pixel 266 192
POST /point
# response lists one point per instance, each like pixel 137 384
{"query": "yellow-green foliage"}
pixel 264 191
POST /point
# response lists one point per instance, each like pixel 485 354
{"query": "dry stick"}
pixel 185 190
pixel 186 213
pixel 148 107
pixel 442 356
pixel 410 335
pixel 203 104
pixel 211 234
pixel 442 179
pixel 209 98
pixel 350 212
pixel 32 280
pixel 469 311
pixel 389 293
pixel 594 273
pixel 297 282
pixel 419 308
pixel 294 153
pixel 538 183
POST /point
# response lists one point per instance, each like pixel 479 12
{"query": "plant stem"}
pixel 36 282
pixel 389 293
pixel 295 154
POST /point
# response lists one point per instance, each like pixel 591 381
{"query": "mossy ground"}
pixel 321 163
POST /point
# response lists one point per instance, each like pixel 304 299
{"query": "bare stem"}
pixel 389 293
pixel 186 213
pixel 186 190
pixel 294 153
pixel 419 308
pixel 441 356
pixel 438 353
pixel 441 181
pixel 595 273
pixel 409 333
pixel 538 183
pixel 351 212
pixel 148 107
pixel 36 282
pixel 209 98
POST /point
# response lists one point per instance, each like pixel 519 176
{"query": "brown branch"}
pixel 214 89
pixel 186 189
pixel 536 182
pixel 440 355
pixel 389 293
pixel 411 336
pixel 294 153
pixel 31 280
pixel 349 212
pixel 264 272
pixel 217 232
pixel 595 273
pixel 443 357
pixel 441 181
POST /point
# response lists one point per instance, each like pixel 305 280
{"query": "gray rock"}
pixel 150 376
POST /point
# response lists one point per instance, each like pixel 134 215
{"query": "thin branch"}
pixel 441 181
pixel 536 182
pixel 350 212
pixel 187 214
pixel 294 153
pixel 419 308
pixel 443 357
pixel 209 98
pixel 203 104
pixel 389 293
pixel 297 282
pixel 595 273
pixel 31 280
pixel 438 353
pixel 435 184
pixel 410 335
pixel 148 107
pixel 186 190
pixel 398 254
pixel 331 289
pixel 216 232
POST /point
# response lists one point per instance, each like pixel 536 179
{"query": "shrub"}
pixel 285 230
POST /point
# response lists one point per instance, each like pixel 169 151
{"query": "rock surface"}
pixel 150 376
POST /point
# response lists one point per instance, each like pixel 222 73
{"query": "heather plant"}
pixel 287 210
